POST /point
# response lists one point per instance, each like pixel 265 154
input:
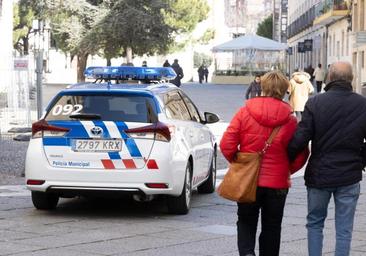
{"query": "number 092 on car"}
pixel 97 145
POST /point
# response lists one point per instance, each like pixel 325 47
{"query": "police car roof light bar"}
pixel 130 73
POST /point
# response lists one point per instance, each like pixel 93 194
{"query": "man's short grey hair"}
pixel 341 71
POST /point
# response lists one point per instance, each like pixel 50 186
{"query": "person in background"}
pixel 335 123
pixel 200 73
pixel 319 77
pixel 179 71
pixel 299 90
pixel 310 71
pixel 144 63
pixel 326 74
pixel 166 64
pixel 247 132
pixel 254 89
pixel 205 73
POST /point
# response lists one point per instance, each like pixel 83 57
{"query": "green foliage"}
pixel 184 15
pixel 110 27
pixel 138 24
pixel 206 37
pixel 201 58
pixel 23 16
pixel 265 28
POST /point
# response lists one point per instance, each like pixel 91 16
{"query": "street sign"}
pixel 20 64
pixel 300 47
pixel 289 51
pixel 308 45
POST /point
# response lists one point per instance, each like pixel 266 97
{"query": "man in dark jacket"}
pixel 179 71
pixel 254 89
pixel 335 123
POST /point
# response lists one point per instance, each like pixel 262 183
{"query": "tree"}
pixel 120 27
pixel 265 28
pixel 183 16
pixel 23 16
pixel 201 58
pixel 147 27
pixel 72 22
pixel 132 27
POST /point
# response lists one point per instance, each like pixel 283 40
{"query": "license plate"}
pixel 97 145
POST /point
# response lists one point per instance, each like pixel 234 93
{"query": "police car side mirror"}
pixel 211 118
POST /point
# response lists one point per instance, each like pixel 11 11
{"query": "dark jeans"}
pixel 319 86
pixel 270 202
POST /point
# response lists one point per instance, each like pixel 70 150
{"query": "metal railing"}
pixel 330 5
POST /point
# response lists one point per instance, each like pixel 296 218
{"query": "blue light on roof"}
pixel 130 73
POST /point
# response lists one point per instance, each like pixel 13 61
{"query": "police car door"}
pixel 202 140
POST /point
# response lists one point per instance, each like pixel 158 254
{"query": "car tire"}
pixel 182 203
pixel 44 200
pixel 210 184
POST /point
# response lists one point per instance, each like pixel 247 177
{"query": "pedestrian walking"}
pixel 144 63
pixel 205 73
pixel 166 63
pixel 248 132
pixel 299 90
pixel 319 77
pixel 201 73
pixel 326 74
pixel 335 123
pixel 310 70
pixel 254 89
pixel 179 71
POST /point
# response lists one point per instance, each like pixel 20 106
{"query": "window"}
pixel 175 107
pixel 347 43
pixel 124 108
pixel 342 46
pixel 330 45
pixel 195 116
pixel 362 59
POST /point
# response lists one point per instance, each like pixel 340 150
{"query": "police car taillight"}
pixel 158 131
pixel 42 128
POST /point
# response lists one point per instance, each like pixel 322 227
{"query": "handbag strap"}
pixel 270 139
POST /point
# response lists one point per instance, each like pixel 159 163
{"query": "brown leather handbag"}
pixel 240 182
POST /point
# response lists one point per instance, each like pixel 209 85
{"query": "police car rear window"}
pixel 126 108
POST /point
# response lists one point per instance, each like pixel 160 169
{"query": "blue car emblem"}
pixel 97 131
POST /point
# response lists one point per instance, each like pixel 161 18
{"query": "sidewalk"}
pixel 294 236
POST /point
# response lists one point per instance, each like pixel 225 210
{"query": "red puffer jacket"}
pixel 249 130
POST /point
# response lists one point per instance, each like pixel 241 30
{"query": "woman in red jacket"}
pixel 248 132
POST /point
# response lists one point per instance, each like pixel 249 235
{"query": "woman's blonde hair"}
pixel 274 84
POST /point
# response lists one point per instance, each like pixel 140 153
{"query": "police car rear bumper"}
pixel 80 180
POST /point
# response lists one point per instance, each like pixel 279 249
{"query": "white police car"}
pixel 144 138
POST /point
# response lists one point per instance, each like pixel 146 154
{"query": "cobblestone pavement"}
pixel 124 227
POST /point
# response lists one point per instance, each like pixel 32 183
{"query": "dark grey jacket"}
pixel 335 123
pixel 179 71
pixel 254 90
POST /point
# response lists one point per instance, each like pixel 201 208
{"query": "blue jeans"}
pixel 345 200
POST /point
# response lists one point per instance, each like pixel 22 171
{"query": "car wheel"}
pixel 44 200
pixel 182 203
pixel 209 185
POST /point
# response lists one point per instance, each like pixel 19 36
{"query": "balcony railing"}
pixel 303 22
pixel 328 11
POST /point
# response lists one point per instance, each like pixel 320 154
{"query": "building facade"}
pixel 280 8
pixel 6 49
pixel 318 33
pixel 359 44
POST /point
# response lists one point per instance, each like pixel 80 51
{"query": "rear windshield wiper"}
pixel 86 116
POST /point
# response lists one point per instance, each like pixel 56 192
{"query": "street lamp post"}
pixel 38 28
